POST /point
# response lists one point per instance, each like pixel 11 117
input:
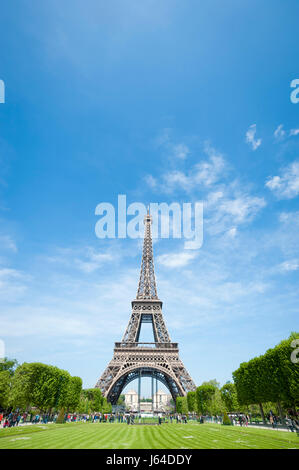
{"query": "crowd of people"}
pixel 12 419
pixel 15 418
pixel 290 421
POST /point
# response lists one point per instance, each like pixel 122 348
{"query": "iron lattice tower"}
pixel 131 358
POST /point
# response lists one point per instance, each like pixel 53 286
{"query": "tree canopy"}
pixel 270 377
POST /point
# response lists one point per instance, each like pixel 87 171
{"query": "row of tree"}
pixel 92 401
pixel 272 377
pixel 209 399
pixel 46 388
pixel 270 381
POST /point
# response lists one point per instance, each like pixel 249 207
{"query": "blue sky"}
pixel 162 101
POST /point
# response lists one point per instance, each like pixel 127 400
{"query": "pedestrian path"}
pixel 266 427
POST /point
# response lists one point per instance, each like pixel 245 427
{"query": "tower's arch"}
pixel 132 373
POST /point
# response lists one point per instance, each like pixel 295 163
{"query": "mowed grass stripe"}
pixel 255 437
pixel 166 436
pixel 263 437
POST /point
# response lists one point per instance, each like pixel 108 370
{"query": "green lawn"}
pixel 122 436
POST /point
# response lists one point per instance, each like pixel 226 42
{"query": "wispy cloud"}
pixel 242 208
pixel 279 132
pixel 250 137
pixel 227 203
pixel 13 283
pixel 289 265
pixel 86 258
pixel 181 151
pixel 285 186
pixel 7 243
pixel 176 260
pixel 227 210
pixel 151 181
pixel 172 149
pixel 70 306
pixel 203 174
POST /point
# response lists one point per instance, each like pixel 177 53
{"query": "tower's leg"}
pixel 153 394
pixel 139 391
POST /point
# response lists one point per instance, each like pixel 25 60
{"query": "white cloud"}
pixel 151 181
pixel 279 133
pixel 225 210
pixel 232 232
pixel 68 306
pixel 203 174
pixel 181 151
pixel 176 260
pixel 250 137
pixel 86 259
pixel 94 260
pixel 178 150
pixel 285 186
pixel 176 179
pixel 290 265
pixel 13 283
pixel 243 208
pixel 289 218
pixel 225 205
pixel 274 182
pixel 208 172
pixel 213 198
pixel 7 243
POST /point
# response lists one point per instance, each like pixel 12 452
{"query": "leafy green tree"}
pixel 272 377
pixel 229 397
pixel 216 406
pixel 73 393
pixel 184 406
pixel 83 405
pixel 94 398
pixel 107 407
pixel 213 383
pixel 191 401
pixel 179 405
pixel 8 365
pixel 5 385
pixel 43 386
pixel 204 395
pixel 23 383
pixel 226 420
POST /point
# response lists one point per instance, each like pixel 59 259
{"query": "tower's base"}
pixel 133 360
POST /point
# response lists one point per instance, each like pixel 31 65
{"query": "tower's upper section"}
pixel 147 289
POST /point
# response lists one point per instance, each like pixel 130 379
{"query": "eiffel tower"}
pixel 132 359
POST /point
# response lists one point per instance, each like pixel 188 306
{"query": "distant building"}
pixel 161 402
pixel 131 400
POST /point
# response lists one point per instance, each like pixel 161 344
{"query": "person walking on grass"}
pixel 289 424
